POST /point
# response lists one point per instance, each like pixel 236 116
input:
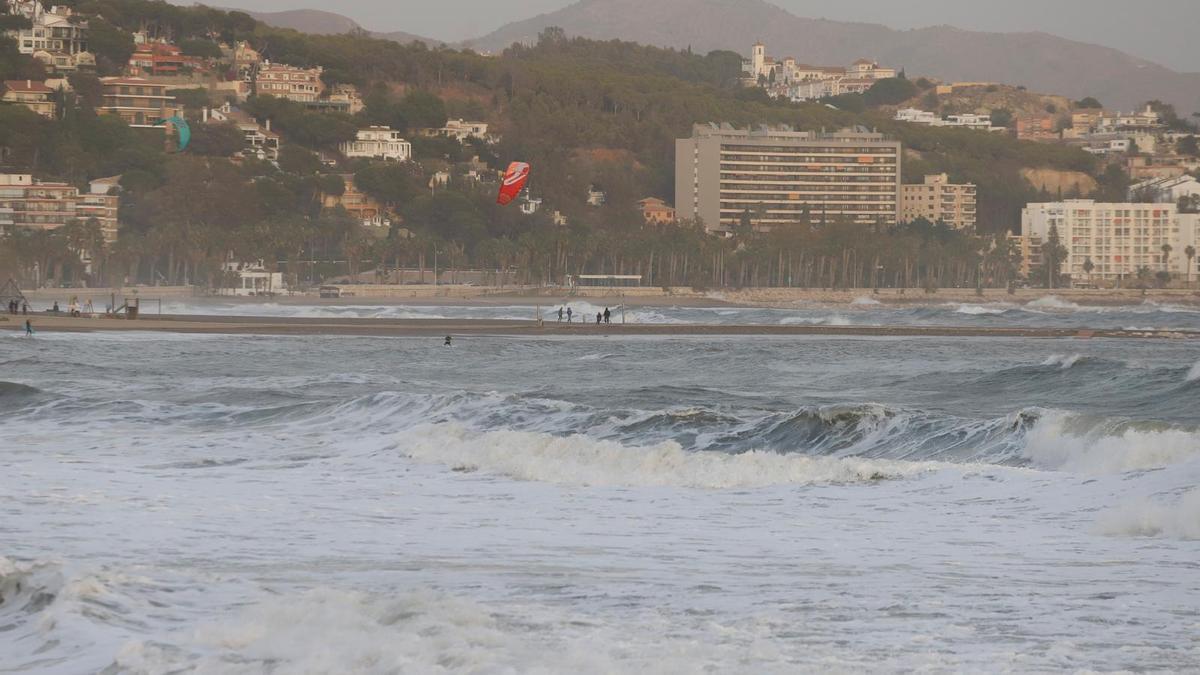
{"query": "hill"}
pixel 1039 61
pixel 318 22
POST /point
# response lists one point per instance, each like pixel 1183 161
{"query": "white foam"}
pixel 831 320
pixel 1053 444
pixel 1062 360
pixel 865 301
pixel 578 460
pixel 980 310
pixel 327 630
pixel 1194 374
pixel 1053 302
pixel 1153 518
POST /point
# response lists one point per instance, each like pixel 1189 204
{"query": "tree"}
pixel 1002 117
pixel 216 140
pixel 1053 255
pixel 111 45
pixel 297 160
pixel 1190 254
pixel 1188 146
pixel 1166 257
pixel 1088 103
pixel 890 91
pixel 1088 267
pixel 201 48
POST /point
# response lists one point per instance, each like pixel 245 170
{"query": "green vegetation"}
pixel 582 112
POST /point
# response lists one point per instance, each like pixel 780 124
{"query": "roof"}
pixel 27 86
pixel 863 62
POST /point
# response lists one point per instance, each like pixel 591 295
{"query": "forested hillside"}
pixel 581 112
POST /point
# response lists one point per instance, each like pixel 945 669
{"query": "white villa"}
pixel 378 143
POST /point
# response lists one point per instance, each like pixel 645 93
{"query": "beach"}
pixel 257 325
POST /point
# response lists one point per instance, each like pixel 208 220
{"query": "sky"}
pixel 1164 31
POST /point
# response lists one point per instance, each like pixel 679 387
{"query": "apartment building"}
pixel 302 85
pixel 35 205
pixel 777 176
pixel 140 102
pixel 158 58
pixel 1165 190
pixel 102 203
pixel 32 94
pixel 378 143
pixel 1036 127
pixel 1119 239
pixel 939 200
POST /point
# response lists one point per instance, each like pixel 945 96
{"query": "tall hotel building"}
pixel 782 177
pixel 1119 239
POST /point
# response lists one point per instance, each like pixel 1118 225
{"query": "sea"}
pixel 602 504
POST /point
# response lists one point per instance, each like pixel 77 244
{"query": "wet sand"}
pixel 249 325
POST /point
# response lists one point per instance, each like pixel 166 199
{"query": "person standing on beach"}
pixel 560 313
pixel 607 316
pixel 599 317
pixel 25 308
pixel 28 328
pixel 568 314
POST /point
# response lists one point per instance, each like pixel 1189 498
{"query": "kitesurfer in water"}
pixel 447 342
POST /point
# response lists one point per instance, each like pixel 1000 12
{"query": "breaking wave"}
pixel 578 460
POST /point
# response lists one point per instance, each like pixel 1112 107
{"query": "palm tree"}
pixel 1088 266
pixel 1166 249
pixel 1190 254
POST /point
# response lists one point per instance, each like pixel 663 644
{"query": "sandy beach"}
pixel 150 296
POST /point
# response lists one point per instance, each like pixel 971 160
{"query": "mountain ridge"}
pixel 1038 60
pixel 321 22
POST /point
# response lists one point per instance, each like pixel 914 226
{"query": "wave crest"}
pixel 578 460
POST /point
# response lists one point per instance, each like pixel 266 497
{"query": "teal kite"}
pixel 181 127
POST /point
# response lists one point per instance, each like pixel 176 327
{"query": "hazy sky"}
pixel 1165 31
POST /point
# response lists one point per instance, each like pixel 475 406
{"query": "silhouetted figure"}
pixel 569 315
pixel 447 342
pixel 28 328
pixel 25 308
pixel 599 318
pixel 55 309
pixel 607 316
pixel 560 314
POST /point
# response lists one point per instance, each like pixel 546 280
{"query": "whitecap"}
pixel 579 460
pixel 1153 518
pixel 1054 444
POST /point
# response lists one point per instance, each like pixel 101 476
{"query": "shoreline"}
pixel 297 326
pixel 779 298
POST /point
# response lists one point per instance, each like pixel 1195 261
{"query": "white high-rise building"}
pixel 1119 239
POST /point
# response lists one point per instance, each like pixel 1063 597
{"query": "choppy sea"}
pixel 331 504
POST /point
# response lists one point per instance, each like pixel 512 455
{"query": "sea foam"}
pixel 1154 518
pixel 578 460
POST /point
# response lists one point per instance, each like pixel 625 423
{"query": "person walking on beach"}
pixel 568 315
pixel 599 317
pixel 25 308
pixel 560 313
pixel 607 316
pixel 28 328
